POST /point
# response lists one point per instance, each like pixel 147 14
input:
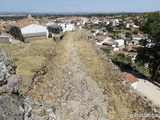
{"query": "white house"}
pixel 5 39
pixel 131 79
pixel 136 39
pixel 34 30
pixel 133 56
pixel 67 26
pixel 115 22
pixel 139 37
pixel 95 31
pixel 120 42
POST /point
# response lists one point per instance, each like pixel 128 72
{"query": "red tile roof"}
pixel 111 40
pixel 131 78
pixel 140 36
pixel 104 46
pixel 119 52
pixel 100 37
pixel 94 30
pixel 1 26
pixel 21 24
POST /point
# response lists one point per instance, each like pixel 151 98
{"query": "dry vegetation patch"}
pixel 28 57
pixel 123 100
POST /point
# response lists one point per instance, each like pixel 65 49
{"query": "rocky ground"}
pixel 11 103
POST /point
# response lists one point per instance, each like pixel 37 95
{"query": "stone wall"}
pixel 11 102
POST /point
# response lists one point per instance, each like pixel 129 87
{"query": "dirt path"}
pixel 81 97
pixel 78 88
pixel 76 95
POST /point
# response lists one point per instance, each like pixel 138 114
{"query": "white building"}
pixel 5 39
pixel 120 42
pixel 67 26
pixel 30 17
pixel 35 30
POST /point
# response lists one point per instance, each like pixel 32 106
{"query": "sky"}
pixel 79 5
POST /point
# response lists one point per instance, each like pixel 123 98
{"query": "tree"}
pixel 128 34
pixel 136 21
pixel 135 32
pixel 16 33
pixel 109 29
pixel 152 54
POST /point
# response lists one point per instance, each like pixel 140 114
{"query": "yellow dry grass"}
pixel 121 101
pixel 61 57
pixel 28 57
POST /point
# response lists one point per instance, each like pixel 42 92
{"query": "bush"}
pixel 142 70
pixel 107 51
pixel 133 50
pixel 128 34
pixel 34 69
pixel 15 59
pixel 135 32
pixel 125 49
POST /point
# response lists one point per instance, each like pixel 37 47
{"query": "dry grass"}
pixel 121 101
pixel 28 57
pixel 61 57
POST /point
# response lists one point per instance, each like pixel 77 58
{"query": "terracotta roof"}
pixel 119 52
pixel 94 30
pixel 104 46
pixel 100 37
pixel 134 46
pixel 140 36
pixel 65 22
pixel 21 24
pixel 95 19
pixel 31 19
pixel 111 40
pixel 47 20
pixel 131 78
pixel 109 34
pixel 1 26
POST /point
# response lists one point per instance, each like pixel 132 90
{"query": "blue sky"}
pixel 80 5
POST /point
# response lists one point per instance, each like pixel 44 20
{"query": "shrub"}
pixel 34 69
pixel 125 49
pixel 15 59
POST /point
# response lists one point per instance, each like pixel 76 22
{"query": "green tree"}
pixel 136 21
pixel 135 32
pixel 152 54
pixel 16 33
pixel 110 29
pixel 128 34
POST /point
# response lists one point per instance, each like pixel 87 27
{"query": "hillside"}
pixel 78 82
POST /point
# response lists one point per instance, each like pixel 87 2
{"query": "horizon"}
pixel 65 13
pixel 83 6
